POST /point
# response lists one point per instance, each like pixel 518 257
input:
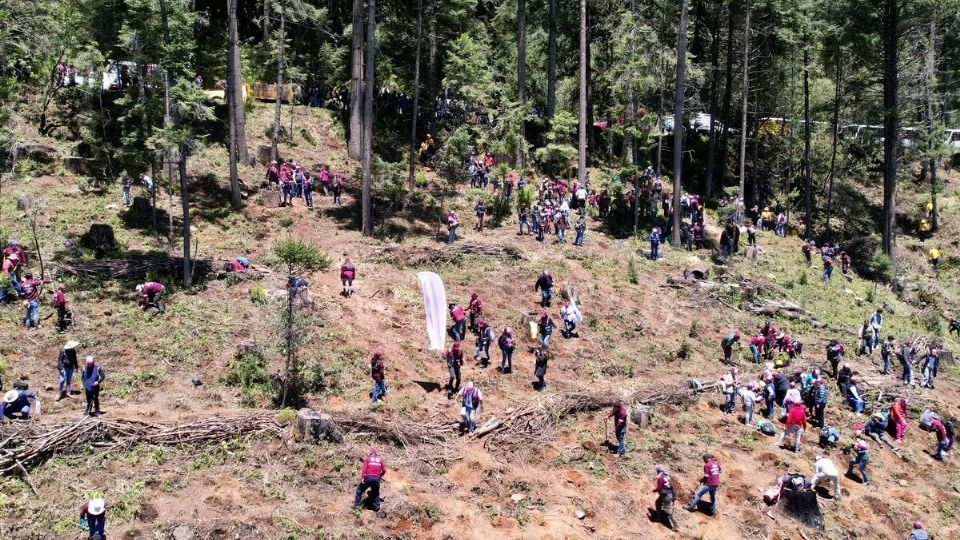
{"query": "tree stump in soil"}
pixel 270 198
pixel 248 346
pixel 25 202
pixel 315 426
pixel 641 415
pixel 263 153
pixel 100 238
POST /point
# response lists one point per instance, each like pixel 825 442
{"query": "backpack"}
pixel 768 428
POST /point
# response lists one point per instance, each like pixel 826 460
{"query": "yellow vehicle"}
pixel 268 92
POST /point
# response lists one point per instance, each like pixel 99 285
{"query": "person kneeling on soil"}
pixel 93 517
pixel 826 470
pixel 665 497
pixel 861 460
pixel 944 431
pixel 150 293
pixel 876 427
pixel 371 475
pixel 16 405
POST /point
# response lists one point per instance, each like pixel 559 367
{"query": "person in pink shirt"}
pixel 150 293
pixel 710 483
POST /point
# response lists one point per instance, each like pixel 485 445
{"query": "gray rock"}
pixel 183 532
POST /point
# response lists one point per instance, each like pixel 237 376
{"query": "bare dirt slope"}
pixel 567 485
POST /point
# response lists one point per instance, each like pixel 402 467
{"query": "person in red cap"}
pixel 371 475
pixel 727 345
pixel 60 304
pixel 484 340
pixel 918 533
pixel 378 374
pixel 454 358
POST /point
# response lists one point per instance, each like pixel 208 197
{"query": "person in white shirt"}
pixel 824 469
pixel 749 398
pixel 792 398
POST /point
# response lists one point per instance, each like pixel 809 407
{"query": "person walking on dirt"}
pixel 796 424
pixel 337 186
pixel 748 397
pixel 571 316
pixel 481 210
pixel 471 399
pixel 453 221
pixel 861 459
pixel 906 362
pixel 507 346
pixel 523 218
pixel 348 272
pixel 581 232
pixel 944 438
pixel 929 368
pixel 67 364
pixel 820 398
pixel 545 328
pixel 93 517
pixel 150 294
pixel 64 317
pixel 454 358
pixel 475 309
pixel 835 352
pixel 665 497
pixel 876 324
pixel 729 384
pixel 898 417
pixel 709 484
pixel 484 340
pixel 654 243
pixel 541 357
pixel 30 293
pixel 727 345
pixel 459 330
pixel 886 351
pixel 92 376
pixel 826 471
pixel 371 475
pixel 378 374
pixel 544 284
pixel 619 415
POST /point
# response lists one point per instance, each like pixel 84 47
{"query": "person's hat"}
pixel 917 525
pixel 71 345
pixel 90 360
pixel 373 451
pixel 139 288
pixel 819 457
pixel 661 468
pixel 13 257
pixel 96 507
pixel 11 396
pixel 779 335
pixel 12 242
pixel 878 415
pixel 61 287
pixel 470 384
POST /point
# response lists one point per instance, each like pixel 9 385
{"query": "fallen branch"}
pixel 132 269
pixel 422 255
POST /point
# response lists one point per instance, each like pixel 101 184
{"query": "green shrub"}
pixel 685 350
pixel 258 295
pixel 880 268
pixel 804 279
pixel 632 276
pixel 694 329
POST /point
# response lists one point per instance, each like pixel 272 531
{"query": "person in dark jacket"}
pixel 835 352
pixel 67 365
pixel 16 405
pixel 484 340
pixel 92 375
pixel 544 284
pixel 820 398
pixel 378 374
pixel 372 473
pixel 507 346
pixel 542 355
pixel 454 358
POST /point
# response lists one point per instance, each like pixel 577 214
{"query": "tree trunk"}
pixel 714 83
pixel 891 41
pixel 522 79
pixel 727 103
pixel 552 61
pixel 355 144
pixel 582 138
pixel 807 166
pixel 232 100
pixel 930 84
pixel 411 179
pixel 167 122
pixel 185 202
pixel 591 143
pixel 629 143
pixel 678 125
pixel 837 97
pixel 280 59
pixel 369 86
pixel 266 24
pixel 433 85
pixel 288 364
pixel 746 100
pixel 235 84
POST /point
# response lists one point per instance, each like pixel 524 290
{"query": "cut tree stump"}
pixel 248 346
pixel 641 415
pixel 263 153
pixel 315 426
pixel 25 202
pixel 270 198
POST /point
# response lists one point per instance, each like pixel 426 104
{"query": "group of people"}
pixel 294 182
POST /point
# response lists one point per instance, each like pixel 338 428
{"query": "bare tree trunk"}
pixel 746 100
pixel 552 61
pixel 629 143
pixel 582 138
pixel 727 103
pixel 837 101
pixel 281 49
pixel 232 100
pixel 714 83
pixel 185 202
pixel 240 118
pixel 930 82
pixel 369 86
pixel 890 128
pixel 266 24
pixel 355 144
pixel 411 180
pixel 167 122
pixel 433 85
pixel 288 324
pixel 522 78
pixel 807 166
pixel 678 125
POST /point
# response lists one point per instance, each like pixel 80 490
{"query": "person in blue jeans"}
pixel 545 327
pixel 654 244
pixel 619 415
pixel 861 460
pixel 857 403
pixel 581 232
pixel 68 365
pixel 507 346
pixel 93 516
pixel 472 399
pixel 544 284
pixel 378 374
pixel 709 484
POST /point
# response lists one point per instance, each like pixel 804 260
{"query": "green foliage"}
pixel 297 256
pixel 258 295
pixel 468 68
pixel 685 351
pixel 559 154
pixel 880 267
pixel 454 153
pixel 695 329
pixel 632 275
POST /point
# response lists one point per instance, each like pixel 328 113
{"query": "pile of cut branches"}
pixel 133 269
pixel 424 255
pixel 30 444
pixel 435 431
pixel 787 310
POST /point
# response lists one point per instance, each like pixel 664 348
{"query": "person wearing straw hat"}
pixel 93 517
pixel 16 405
pixel 92 375
pixel 67 364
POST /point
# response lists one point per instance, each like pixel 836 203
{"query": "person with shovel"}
pixel 665 497
pixel 619 415
pixel 709 484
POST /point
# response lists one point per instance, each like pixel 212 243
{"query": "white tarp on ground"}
pixel 435 306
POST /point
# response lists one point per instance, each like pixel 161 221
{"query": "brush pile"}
pixel 133 269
